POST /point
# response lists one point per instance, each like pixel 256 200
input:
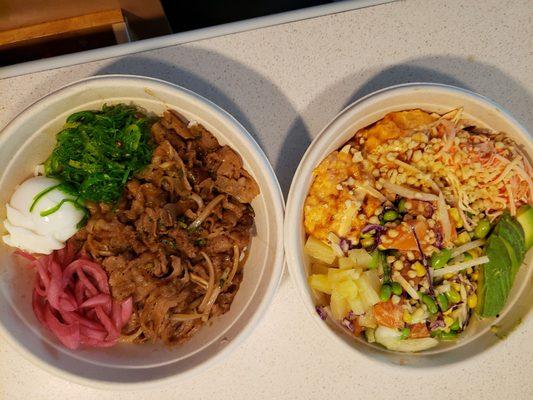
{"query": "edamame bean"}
pixel 443 302
pixel 430 303
pixel 439 260
pixel 482 229
pixel 455 326
pixel 397 289
pixel 401 206
pixel 385 293
pixel 453 296
pixel 405 333
pixel 390 215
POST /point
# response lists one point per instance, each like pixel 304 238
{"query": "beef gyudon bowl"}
pixel 137 244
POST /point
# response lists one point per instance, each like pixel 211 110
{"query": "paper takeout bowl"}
pixel 434 98
pixel 29 139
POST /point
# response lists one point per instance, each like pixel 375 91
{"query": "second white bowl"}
pixel 29 139
pixel 433 98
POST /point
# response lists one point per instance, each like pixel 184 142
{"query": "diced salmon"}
pixel 418 331
pixel 406 240
pixel 389 314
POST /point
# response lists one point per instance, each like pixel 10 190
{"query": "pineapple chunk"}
pixel 319 268
pixel 357 305
pixel 319 250
pixel 337 275
pixel 360 257
pixel 347 289
pixel 320 282
pixel 373 278
pixel 367 292
pixel 339 306
pixel 346 263
pixel 368 320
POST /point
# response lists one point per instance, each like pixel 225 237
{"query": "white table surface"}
pixel 284 83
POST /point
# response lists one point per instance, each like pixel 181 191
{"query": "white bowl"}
pixel 29 139
pixel 369 109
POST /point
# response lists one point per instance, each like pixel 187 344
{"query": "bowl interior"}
pixel 28 141
pixel 433 98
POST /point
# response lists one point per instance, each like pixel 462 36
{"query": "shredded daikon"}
pixel 408 192
pixel 467 246
pixel 408 288
pixel 453 269
pixel 373 192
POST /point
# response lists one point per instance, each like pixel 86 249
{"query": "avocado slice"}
pixel 525 218
pixel 513 256
pixel 511 234
pixel 496 277
pixel 512 229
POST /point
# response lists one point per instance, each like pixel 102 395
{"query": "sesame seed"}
pixel 398 265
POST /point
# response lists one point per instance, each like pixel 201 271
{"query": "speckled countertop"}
pixel 284 83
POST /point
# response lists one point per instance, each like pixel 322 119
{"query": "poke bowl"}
pixel 77 327
pixel 392 259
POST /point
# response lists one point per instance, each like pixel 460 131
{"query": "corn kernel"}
pixel 469 270
pixel 456 286
pixel 407 317
pixel 456 217
pixel 448 320
pixel 475 276
pixel 448 276
pixel 475 253
pixel 463 238
pixel 472 301
pixel 419 269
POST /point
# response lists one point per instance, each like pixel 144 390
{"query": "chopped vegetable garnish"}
pixel 98 151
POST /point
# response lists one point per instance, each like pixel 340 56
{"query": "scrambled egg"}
pixel 393 126
pixel 326 202
pixel 329 200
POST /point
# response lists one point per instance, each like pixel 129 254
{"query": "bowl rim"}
pixel 293 256
pixel 277 266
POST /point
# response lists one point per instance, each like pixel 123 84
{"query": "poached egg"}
pixel 30 230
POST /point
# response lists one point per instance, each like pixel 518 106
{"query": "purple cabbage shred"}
pixel 371 227
pixel 348 324
pixel 438 240
pixel 438 323
pixel 321 313
pixel 345 244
